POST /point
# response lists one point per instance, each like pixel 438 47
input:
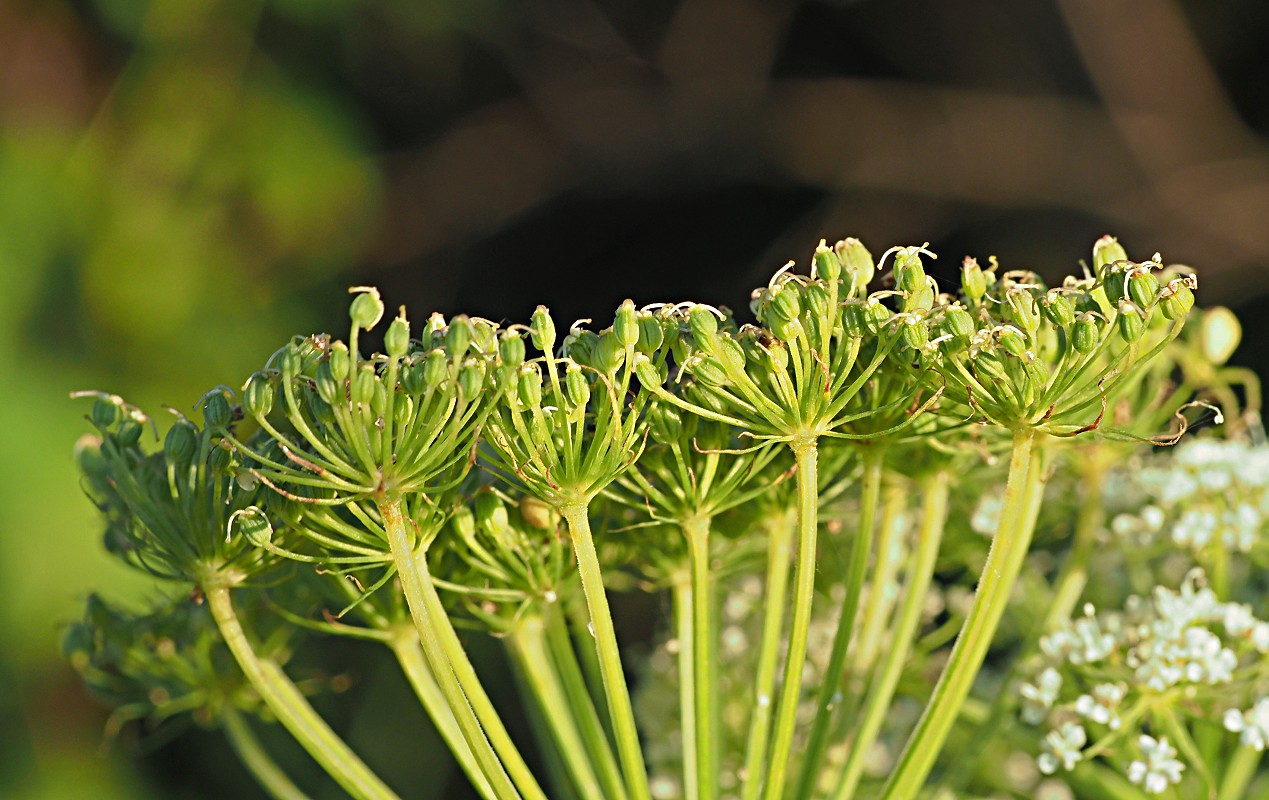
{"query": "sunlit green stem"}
pixel 288 704
pixel 705 689
pixel 428 616
pixel 1009 546
pixel 254 757
pixel 834 673
pixel 681 600
pixel 616 690
pixel 1238 773
pixel 780 529
pixel 804 452
pixel 527 644
pixel 413 663
pixel 886 679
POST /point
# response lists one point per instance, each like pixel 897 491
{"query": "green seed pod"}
pixel 220 459
pixel 665 424
pixel 920 300
pixel 253 525
pixel 973 280
pixel 730 353
pixel 704 326
pixel 484 336
pixel 1143 287
pixel 828 265
pixel 609 353
pixel 913 331
pixel 180 443
pixel 787 331
pixel 363 384
pixel 339 360
pixel 463 522
pixel 625 325
pixel 396 340
pixel 1176 299
pixel 318 408
pixel 783 302
pixel 1022 309
pixel 434 331
pixel 1011 340
pixel 402 409
pixel 818 302
pixel 217 413
pixel 536 513
pixel 707 371
pixel 471 377
pixel 776 356
pixel 107 411
pixel 412 376
pixel 511 349
pixel 858 262
pixel 855 318
pixel 290 361
pixel 1057 308
pixel 530 385
pixel 491 515
pixel 576 386
pixel 651 332
pixel 458 337
pixel 379 399
pixel 909 273
pixel 330 389
pixel 88 457
pixel 648 374
pixel 542 329
pixel 435 369
pixel 959 324
pixel 876 315
pixel 257 395
pixel 1113 276
pixel 1219 334
pixel 366 308
pixel 580 346
pixel 1107 250
pixel 1130 321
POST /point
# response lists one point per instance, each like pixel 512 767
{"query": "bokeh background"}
pixel 184 184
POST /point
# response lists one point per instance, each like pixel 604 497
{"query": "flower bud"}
pixel 649 375
pixel 536 513
pixel 1057 308
pixel 252 524
pixel 180 443
pixel 491 514
pixel 458 337
pixel 511 349
pixel 107 411
pixel 704 326
pixel 542 329
pixel 471 377
pixel 1107 250
pixel 973 280
pixel 1143 287
pixel 576 386
pixel 665 424
pixel 396 340
pixel 828 264
pixel 1219 334
pixel 857 260
pixel 625 325
pixel 651 332
pixel 366 308
pixel 1130 321
pixel 1176 299
pixel 530 385
pixel 217 413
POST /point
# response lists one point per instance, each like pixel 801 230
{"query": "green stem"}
pixel 830 690
pixel 254 757
pixel 886 679
pixel 681 597
pixel 614 677
pixel 288 704
pixel 413 663
pixel 411 567
pixel 527 644
pixel 803 594
pixel 577 692
pixel 779 540
pixel 880 602
pixel 1000 572
pixel 1239 772
pixel 705 687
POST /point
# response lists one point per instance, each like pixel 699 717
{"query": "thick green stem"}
pixel 427 689
pixel 886 680
pixel 1239 772
pixel 411 568
pixel 615 688
pixel 527 644
pixel 681 600
pixel 254 757
pixel 830 690
pixel 805 453
pixel 779 552
pixel 705 689
pixel 288 704
pixel 1000 572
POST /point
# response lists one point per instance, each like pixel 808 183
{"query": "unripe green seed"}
pixel 291 361
pixel 253 525
pixel 379 399
pixel 458 337
pixel 876 315
pixel 920 300
pixel 330 389
pixel 1011 340
pixel 909 273
pixel 1107 250
pixel 576 386
pixel 704 326
pixel 491 514
pixel 471 377
pixel 180 443
pixel 530 385
pixel 220 459
pixel 913 331
pixel 542 329
pixel 339 360
pixel 402 409
pixel 1130 321
pixel 464 522
pixel 707 371
pixel 217 413
pixel 412 376
pixel 776 356
pixel 1113 277
pixel 511 349
pixel 855 318
pixel 1176 299
pixel 651 332
pixel 366 308
pixel 784 302
pixel 973 280
pixel 665 424
pixel 817 301
pixel 609 354
pixel 648 374
pixel 959 324
pixel 257 395
pixel 1143 287
pixel 858 262
pixel 107 411
pixel 1058 308
pixel 435 369
pixel 828 264
pixel 730 353
pixel 1219 334
pixel 396 340
pixel 625 325
pixel 484 336
pixel 363 384
pixel 1022 309
pixel 536 513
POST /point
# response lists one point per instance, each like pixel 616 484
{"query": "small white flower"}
pixel 1158 768
pixel 1039 697
pixel 1062 748
pixel 1252 725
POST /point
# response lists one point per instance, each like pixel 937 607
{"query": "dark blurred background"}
pixel 184 184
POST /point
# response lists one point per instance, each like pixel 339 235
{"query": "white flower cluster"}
pixel 1206 491
pixel 1105 674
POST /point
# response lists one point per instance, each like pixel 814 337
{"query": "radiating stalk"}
pixel 616 690
pixel 834 673
pixel 1004 561
pixel 1239 772
pixel 780 531
pixel 886 679
pixel 255 758
pixel 803 593
pixel 288 704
